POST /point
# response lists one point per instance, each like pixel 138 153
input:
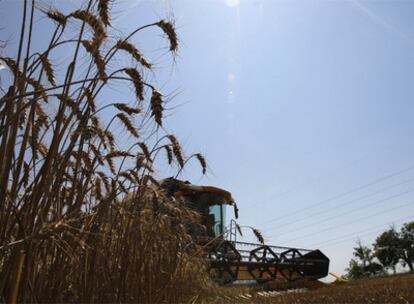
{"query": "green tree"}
pixel 407 245
pixel 387 248
pixel 364 254
pixel 392 247
pixel 364 264
pixel 355 270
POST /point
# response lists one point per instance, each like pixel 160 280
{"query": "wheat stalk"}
pixel 145 150
pixel 110 137
pixel 57 16
pixel 156 107
pixel 95 24
pixel 258 235
pixel 48 67
pixel 239 229
pixel 169 153
pixel 127 109
pixel 135 53
pixel 90 99
pixel 68 197
pixel 202 161
pixel 128 124
pixel 169 30
pixel 38 87
pixel 93 49
pixel 136 79
pixel 176 150
pixel 118 154
pixel 103 8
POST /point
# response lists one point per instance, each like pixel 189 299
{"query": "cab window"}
pixel 216 213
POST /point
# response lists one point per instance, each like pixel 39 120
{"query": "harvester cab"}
pixel 210 202
pixel 231 260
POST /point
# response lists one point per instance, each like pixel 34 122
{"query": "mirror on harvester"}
pixel 236 211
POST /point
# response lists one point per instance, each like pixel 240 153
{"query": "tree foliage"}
pixel 364 264
pixel 387 248
pixel 393 247
pixel 407 245
pixel 390 249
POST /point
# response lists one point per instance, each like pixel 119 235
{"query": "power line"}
pixel 350 239
pixel 376 181
pixel 349 212
pixel 323 176
pixel 343 204
pixel 358 233
pixel 351 222
pixel 319 177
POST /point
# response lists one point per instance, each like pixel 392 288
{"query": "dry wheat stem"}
pixel 65 173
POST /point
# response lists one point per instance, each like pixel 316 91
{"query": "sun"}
pixel 232 3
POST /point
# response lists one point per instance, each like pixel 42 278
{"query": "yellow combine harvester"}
pixel 231 260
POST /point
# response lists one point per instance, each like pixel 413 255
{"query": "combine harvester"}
pixel 231 260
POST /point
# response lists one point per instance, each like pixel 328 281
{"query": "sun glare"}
pixel 232 3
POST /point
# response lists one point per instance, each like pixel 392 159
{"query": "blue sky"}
pixel 303 110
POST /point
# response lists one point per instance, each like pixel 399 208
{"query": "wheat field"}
pixel 82 217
